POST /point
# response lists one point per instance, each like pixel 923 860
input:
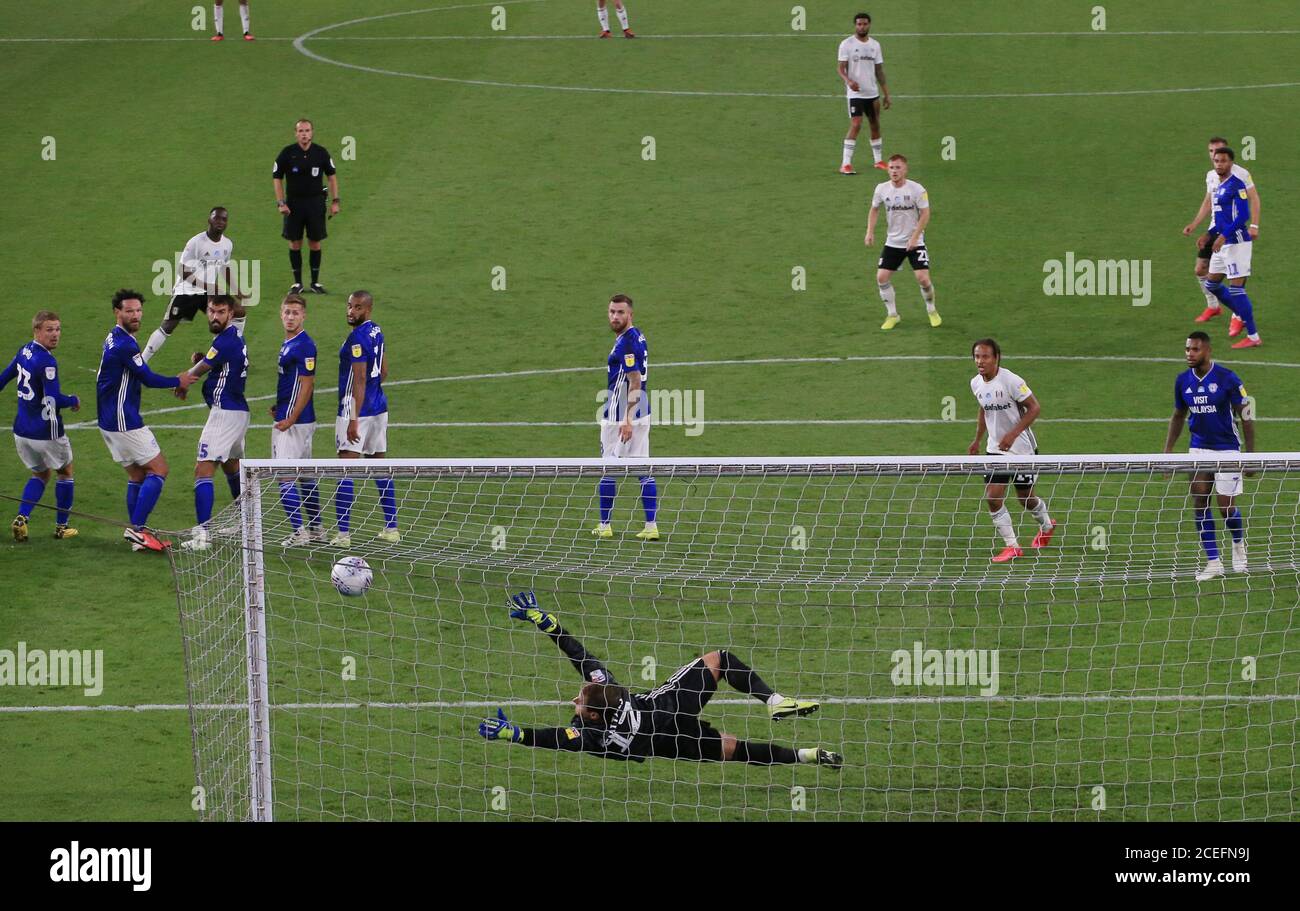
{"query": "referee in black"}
pixel 301 165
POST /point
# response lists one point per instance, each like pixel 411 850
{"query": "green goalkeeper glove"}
pixel 525 608
pixel 500 728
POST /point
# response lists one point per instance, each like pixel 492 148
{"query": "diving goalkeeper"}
pixel 613 723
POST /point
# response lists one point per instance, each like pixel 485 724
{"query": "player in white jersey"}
pixel 1204 243
pixel 603 15
pixel 862 69
pixel 204 272
pixel 907 212
pixel 218 20
pixel 1007 409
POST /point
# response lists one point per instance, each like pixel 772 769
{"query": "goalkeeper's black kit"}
pixel 663 722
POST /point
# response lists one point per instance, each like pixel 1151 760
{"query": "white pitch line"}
pixel 521 703
pixel 738 362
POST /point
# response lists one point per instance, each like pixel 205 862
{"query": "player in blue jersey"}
pixel 361 428
pixel 122 371
pixel 1231 242
pixel 625 420
pixel 222 440
pixel 1214 396
pixel 295 421
pixel 38 426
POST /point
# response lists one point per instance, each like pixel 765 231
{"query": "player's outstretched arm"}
pixel 141 371
pixel 501 728
pixel 588 666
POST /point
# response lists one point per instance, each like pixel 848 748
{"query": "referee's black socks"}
pixel 742 677
pixel 295 261
pixel 315 266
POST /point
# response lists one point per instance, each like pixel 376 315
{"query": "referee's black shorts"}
pixel 308 213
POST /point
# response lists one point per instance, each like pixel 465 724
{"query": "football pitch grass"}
pixel 1066 142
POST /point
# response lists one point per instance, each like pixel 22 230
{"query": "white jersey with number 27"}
pixel 1000 398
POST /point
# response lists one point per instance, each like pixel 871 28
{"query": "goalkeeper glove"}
pixel 525 608
pixel 500 728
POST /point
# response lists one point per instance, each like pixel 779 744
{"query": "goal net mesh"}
pixel 1090 679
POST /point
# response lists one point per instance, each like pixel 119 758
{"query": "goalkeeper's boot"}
pixel 200 540
pixel 935 320
pixel 792 708
pixel 1208 314
pixel 603 530
pixel 341 539
pixel 1238 556
pixel 19 527
pixel 1007 554
pixel 1044 536
pixel 63 531
pixel 649 533
pixel 389 536
pixel 1235 325
pixel 889 323
pixel 300 537
pixel 1213 570
pixel 828 758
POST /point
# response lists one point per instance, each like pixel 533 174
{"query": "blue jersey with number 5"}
pixel 364 345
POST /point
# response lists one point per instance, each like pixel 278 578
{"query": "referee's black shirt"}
pixel 302 171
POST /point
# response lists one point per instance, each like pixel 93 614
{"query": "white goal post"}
pixel 1091 678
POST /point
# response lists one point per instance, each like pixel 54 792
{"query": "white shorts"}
pixel 1226 483
pixel 373 431
pixel 1232 260
pixel 131 447
pixel 222 439
pixel 44 455
pixel 611 447
pixel 294 443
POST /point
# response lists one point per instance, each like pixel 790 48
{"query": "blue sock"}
pixel 63 489
pixel 32 493
pixel 150 490
pixel 33 490
pixel 1236 524
pixel 607 490
pixel 292 503
pixel 203 499
pixel 1240 304
pixel 388 501
pixel 232 480
pixel 132 495
pixel 649 497
pixel 311 497
pixel 1209 538
pixel 343 504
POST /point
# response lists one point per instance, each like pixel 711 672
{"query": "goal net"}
pixel 1093 678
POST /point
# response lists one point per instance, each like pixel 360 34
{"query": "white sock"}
pixel 621 12
pixel 603 16
pixel 243 16
pixel 1210 300
pixel 238 323
pixel 774 700
pixel 155 343
pixel 218 19
pixel 1002 522
pixel 928 295
pixel 887 295
pixel 1253 336
pixel 808 754
pixel 878 149
pixel 1040 513
pixel 849 146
